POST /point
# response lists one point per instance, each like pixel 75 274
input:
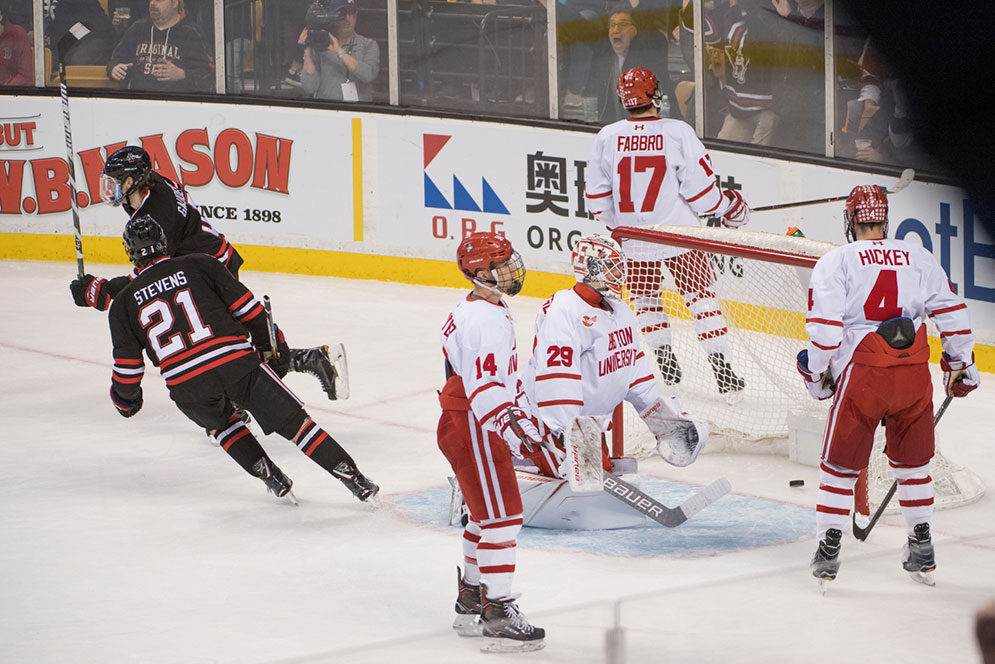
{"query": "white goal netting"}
pixel 730 305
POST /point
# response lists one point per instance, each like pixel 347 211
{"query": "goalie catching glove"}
pixel 679 439
pixel 959 378
pixel 821 385
pixel 517 430
pixel 738 212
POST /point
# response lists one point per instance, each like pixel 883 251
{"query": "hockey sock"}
pixel 237 440
pixel 709 323
pixel 496 555
pixel 835 497
pixel 915 493
pixel 644 294
pixel 471 538
pixel 319 446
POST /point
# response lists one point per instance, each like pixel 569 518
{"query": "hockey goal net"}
pixel 731 306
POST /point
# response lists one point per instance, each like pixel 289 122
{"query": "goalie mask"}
pixel 144 240
pixel 638 87
pixel 866 204
pixel 599 263
pixel 130 161
pixel 490 251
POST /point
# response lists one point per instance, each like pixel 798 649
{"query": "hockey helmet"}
pixel 130 161
pixel 144 240
pixel 638 87
pixel 490 251
pixel 598 261
pixel 866 204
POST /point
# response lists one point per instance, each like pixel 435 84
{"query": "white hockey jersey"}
pixel 585 361
pixel 478 341
pixel 858 286
pixel 648 171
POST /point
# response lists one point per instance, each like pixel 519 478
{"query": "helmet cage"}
pixel 598 262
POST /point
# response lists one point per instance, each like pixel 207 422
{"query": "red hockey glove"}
pixel 821 385
pixel 517 430
pixel 90 291
pixel 738 212
pixel 959 377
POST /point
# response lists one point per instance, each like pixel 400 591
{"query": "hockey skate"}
pixel 826 561
pixel 505 628
pixel 725 377
pixel 918 558
pixel 670 370
pixel 467 621
pixel 360 485
pixel 327 364
pixel 276 482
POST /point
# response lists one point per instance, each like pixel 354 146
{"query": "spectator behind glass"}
pixel 801 88
pixel 94 48
pixel 745 75
pixel 627 48
pixel 16 62
pixel 338 63
pixel 125 12
pixel 164 52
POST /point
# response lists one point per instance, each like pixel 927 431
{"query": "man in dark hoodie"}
pixel 164 52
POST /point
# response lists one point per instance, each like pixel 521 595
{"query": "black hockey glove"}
pixel 280 362
pixel 127 407
pixel 90 291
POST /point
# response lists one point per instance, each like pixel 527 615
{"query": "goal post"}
pixel 729 305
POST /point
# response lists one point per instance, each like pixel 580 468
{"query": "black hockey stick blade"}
pixel 907 176
pixel 862 533
pixel 665 516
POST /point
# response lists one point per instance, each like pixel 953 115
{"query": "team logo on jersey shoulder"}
pixel 588 321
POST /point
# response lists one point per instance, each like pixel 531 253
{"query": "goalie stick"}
pixel 862 533
pixel 665 516
pixel 903 181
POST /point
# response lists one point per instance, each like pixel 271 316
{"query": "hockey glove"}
pixel 127 407
pixel 821 385
pixel 959 377
pixel 679 439
pixel 517 430
pixel 738 212
pixel 90 291
pixel 279 362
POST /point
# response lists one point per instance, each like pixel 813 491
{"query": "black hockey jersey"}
pixel 193 320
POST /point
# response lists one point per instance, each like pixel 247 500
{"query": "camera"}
pixel 318 20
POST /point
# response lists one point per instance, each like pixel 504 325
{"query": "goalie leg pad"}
pixel 584 462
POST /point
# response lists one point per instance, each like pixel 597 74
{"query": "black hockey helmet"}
pixel 130 161
pixel 144 240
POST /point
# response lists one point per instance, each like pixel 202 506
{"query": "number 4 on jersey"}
pixel 882 302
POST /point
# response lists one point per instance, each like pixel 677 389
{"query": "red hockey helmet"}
pixel 866 204
pixel 638 87
pixel 490 251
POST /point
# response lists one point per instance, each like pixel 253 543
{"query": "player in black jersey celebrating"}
pixel 129 181
pixel 191 317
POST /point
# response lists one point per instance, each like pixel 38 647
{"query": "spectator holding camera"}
pixel 163 52
pixel 338 63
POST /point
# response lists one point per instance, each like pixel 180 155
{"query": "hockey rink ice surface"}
pixel 139 540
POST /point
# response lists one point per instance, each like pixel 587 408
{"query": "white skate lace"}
pixel 515 617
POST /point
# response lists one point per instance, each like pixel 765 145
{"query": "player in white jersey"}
pixel 478 435
pixel 587 358
pixel 867 308
pixel 647 170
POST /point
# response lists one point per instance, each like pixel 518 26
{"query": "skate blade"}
pixel 824 585
pixel 468 625
pixel 336 355
pixel 291 498
pixel 925 578
pixel 510 645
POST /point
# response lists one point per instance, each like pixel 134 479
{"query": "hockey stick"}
pixel 903 181
pixel 270 327
pixel 665 516
pixel 76 33
pixel 862 533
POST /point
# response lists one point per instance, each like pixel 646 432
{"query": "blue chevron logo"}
pixel 490 202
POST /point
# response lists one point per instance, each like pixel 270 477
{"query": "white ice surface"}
pixel 140 541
